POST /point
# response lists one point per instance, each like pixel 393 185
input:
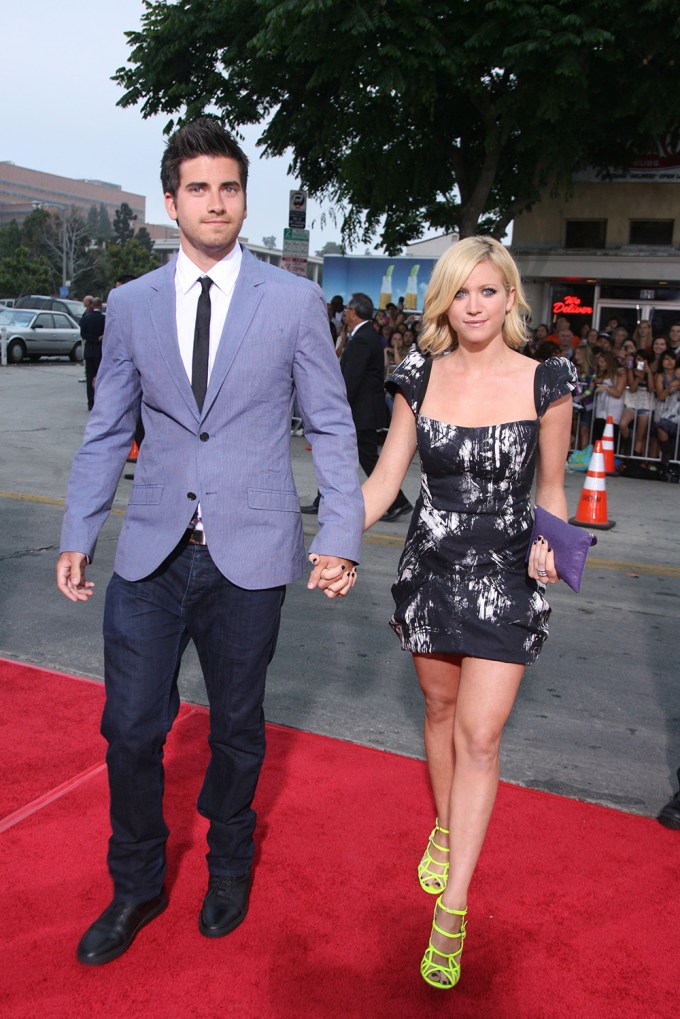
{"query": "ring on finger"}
pixel 542 573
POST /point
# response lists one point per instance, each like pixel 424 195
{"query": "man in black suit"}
pixel 363 369
pixel 92 331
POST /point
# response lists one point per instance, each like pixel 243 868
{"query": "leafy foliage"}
pixel 131 257
pixel 10 239
pixel 33 256
pixel 331 248
pixel 143 237
pixel 40 236
pixel 452 114
pixel 22 273
pixel 123 218
pixel 98 224
pixel 63 239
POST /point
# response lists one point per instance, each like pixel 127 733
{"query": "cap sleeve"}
pixel 554 378
pixel 408 379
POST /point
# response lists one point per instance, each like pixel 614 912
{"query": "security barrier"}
pixel 625 446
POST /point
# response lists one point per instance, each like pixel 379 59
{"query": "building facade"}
pixel 608 249
pixel 22 190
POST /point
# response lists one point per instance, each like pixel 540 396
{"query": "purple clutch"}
pixel 570 545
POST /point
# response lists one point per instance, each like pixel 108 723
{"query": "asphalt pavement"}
pixel 597 718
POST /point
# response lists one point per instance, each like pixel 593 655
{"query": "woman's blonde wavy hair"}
pixel 448 277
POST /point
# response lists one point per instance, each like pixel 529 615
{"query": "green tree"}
pixel 92 222
pixel 132 258
pixel 93 278
pixel 10 239
pixel 104 228
pixel 269 241
pixel 41 236
pixel 23 273
pixel 123 218
pixel 331 248
pixel 62 237
pixel 144 238
pixel 415 113
pixel 98 224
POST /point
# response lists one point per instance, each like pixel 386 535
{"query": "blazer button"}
pixel 191 495
pixel 204 436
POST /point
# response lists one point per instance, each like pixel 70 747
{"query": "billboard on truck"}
pixel 385 280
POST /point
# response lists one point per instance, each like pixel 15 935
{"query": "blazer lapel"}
pixel 162 308
pixel 248 293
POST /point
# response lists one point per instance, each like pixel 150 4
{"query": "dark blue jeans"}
pixel 147 626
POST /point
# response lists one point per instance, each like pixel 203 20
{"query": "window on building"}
pixel 585 233
pixel 651 231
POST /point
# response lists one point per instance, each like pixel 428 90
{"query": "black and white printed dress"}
pixel 462 586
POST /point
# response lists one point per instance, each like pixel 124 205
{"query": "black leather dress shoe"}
pixel 312 508
pixel 394 512
pixel 670 814
pixel 224 906
pixel 115 930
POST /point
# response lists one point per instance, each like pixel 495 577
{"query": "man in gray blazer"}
pixel 211 349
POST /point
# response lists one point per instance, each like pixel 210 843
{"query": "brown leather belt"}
pixel 196 537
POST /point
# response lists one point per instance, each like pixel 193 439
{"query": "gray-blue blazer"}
pixel 234 456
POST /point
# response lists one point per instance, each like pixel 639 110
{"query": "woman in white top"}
pixel 610 384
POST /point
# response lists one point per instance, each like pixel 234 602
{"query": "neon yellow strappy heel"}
pixel 445 973
pixel 433 874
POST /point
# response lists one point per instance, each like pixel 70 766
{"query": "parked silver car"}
pixel 36 334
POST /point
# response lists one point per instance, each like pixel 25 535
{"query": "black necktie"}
pixel 199 363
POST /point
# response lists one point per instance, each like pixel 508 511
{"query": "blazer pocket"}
pixel 264 499
pixel 145 495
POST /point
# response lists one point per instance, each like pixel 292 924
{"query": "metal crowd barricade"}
pixel 625 447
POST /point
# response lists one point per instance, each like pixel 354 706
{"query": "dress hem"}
pixel 464 654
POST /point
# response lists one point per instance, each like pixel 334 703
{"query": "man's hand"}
pixel 71 576
pixel 333 575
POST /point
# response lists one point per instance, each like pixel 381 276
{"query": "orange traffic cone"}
pixel 592 507
pixel 134 453
pixel 608 446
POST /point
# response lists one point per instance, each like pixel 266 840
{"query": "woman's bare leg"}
pixel 641 435
pixel 485 696
pixel 584 436
pixel 439 676
pixel 627 416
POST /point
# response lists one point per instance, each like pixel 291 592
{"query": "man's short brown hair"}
pixel 202 137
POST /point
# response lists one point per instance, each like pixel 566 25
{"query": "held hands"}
pixel 542 562
pixel 333 575
pixel 71 576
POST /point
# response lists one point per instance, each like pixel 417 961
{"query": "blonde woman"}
pixel 485 419
pixel 584 362
pixel 610 385
pixel 642 334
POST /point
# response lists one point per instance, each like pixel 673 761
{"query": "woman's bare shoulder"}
pixel 522 364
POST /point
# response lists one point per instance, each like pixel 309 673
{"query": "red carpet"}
pixel 573 913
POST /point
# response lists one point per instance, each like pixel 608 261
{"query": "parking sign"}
pixel 297 210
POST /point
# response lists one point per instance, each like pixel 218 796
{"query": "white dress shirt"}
pixel 187 291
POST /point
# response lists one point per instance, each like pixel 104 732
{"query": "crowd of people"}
pixel 634 379
pixel 398 329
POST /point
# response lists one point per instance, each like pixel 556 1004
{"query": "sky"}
pixel 59 115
